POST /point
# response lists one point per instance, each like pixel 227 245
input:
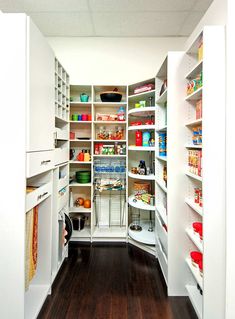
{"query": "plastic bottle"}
pixel 121 114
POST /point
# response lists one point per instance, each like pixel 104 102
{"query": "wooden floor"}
pixel 112 282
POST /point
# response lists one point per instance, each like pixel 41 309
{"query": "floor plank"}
pixel 112 281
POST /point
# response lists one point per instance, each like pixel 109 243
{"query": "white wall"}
pixel 112 60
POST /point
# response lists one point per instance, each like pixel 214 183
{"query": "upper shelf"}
pixel 141 148
pixel 142 111
pixel 194 71
pixel 162 98
pixel 195 95
pixel 141 127
pixel 143 95
pixel 139 204
pixel 150 177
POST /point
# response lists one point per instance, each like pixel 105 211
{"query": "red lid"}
pixel 197 226
pixel 200 264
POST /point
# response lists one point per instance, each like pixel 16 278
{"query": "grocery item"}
pixel 84 97
pixel 87 156
pixel 165 174
pixel 146 138
pixel 142 103
pixel 144 88
pixel 121 114
pixel 141 187
pixel 142 170
pixel 87 203
pixel 195 162
pixel 196 257
pixel 200 49
pixel 162 144
pixel 138 138
pixel 79 201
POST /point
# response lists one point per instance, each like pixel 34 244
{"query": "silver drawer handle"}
pixel 42 195
pixel 45 162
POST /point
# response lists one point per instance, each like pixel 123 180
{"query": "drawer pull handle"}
pixel 45 162
pixel 42 195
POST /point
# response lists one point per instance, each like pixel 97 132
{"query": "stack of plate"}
pixel 83 177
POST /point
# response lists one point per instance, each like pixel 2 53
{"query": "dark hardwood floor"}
pixel 112 281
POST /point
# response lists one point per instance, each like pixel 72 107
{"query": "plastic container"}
pixel 84 97
pixel 78 222
pixel 196 257
pixel 121 114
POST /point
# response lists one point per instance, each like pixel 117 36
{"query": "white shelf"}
pixel 75 103
pixel 194 206
pixel 109 155
pixel 141 148
pixel 150 177
pixel 80 122
pixel 140 95
pixel 194 123
pixel 199 146
pixel 195 272
pixel 195 239
pixel 162 98
pixel 79 162
pixel 161 185
pixel 103 141
pixel 81 141
pixel 80 185
pixel 110 232
pixel 195 298
pixel 198 178
pixel 162 213
pixel 163 128
pixel 141 127
pixel 142 111
pixel 192 74
pixel 61 120
pixel 110 122
pixel 162 158
pixel 144 236
pixel 139 204
pixel 84 233
pixel 34 300
pixel 197 95
pixel 108 103
pixel 80 209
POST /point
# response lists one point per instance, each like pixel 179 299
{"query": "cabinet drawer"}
pixel 39 162
pixel 161 233
pixel 38 195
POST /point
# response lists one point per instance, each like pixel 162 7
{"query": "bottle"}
pixel 146 138
pixel 142 168
pixel 80 156
pixel 121 114
pixel 87 156
pixel 138 138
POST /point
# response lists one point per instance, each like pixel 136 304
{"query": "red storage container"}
pixel 138 138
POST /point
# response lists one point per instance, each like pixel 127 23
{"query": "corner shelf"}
pixel 194 123
pixel 141 127
pixel 196 146
pixel 142 95
pixel 161 185
pixel 194 176
pixel 142 111
pixel 194 71
pixel 161 158
pixel 139 204
pixel 79 209
pixel 150 177
pixel 141 148
pixel 196 95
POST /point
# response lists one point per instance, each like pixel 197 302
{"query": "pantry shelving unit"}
pixel 139 212
pixel 101 224
pixel 109 223
pixel 81 139
pixel 206 302
pixel 61 169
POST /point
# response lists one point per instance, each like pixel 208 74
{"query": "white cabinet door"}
pixel 40 99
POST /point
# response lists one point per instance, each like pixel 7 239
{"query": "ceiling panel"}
pixel 141 24
pixel 56 5
pixel 12 5
pixel 190 23
pixel 140 5
pixel 62 24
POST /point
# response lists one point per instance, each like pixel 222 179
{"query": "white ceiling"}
pixel 112 18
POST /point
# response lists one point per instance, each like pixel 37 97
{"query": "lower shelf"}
pixel 34 299
pixel 110 232
pixel 144 236
pixel 195 273
pixel 84 233
pixel 195 298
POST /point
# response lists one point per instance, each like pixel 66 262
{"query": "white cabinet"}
pixel 40 87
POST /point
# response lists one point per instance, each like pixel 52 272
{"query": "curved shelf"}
pixel 150 177
pixel 142 111
pixel 143 236
pixel 139 204
pixel 141 127
pixel 141 148
pixel 142 95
